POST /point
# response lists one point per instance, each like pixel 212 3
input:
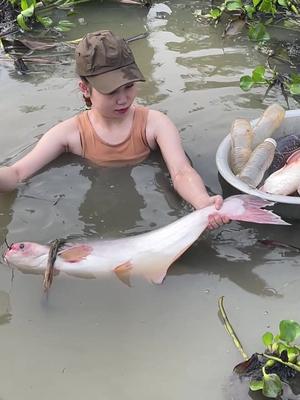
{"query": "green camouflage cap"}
pixel 106 61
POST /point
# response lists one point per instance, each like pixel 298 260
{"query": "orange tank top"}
pixel 131 151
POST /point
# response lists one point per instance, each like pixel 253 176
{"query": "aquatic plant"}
pixel 257 16
pixel 289 84
pixel 281 355
pixel 31 12
pixel 277 366
pixel 256 10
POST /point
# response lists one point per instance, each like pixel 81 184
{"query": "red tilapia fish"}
pixel 149 254
pixel 286 180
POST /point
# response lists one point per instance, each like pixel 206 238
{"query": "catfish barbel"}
pixel 149 254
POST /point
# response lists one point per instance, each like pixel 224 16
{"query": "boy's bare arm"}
pixel 50 146
pixel 187 182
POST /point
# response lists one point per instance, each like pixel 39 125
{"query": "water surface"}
pixel 99 338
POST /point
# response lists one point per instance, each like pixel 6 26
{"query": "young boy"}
pixel 115 131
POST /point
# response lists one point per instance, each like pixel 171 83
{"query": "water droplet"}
pixel 82 21
pixel 270 290
pixel 205 290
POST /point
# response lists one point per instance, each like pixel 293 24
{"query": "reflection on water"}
pixel 5 308
pixel 98 337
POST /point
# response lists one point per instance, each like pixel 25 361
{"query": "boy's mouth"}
pixel 122 110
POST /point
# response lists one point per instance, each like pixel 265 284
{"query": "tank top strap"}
pixel 139 125
pixel 86 131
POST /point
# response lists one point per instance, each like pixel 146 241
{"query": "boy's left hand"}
pixel 216 220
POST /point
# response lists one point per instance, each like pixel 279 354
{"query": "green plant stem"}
pixel 230 329
pixel 288 364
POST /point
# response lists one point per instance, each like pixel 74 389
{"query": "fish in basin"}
pixel 149 254
pixel 286 146
pixel 286 180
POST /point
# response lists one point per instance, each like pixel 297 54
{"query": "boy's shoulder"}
pixel 156 117
pixel 68 124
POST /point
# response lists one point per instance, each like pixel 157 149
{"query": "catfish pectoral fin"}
pixel 76 253
pixel 123 272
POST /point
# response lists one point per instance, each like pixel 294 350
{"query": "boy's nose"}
pixel 121 99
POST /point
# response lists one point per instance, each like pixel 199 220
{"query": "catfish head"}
pixel 27 256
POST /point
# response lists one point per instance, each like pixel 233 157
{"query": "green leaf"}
pixel 283 3
pixel 27 3
pixel 293 353
pixel 268 336
pixel 24 4
pixel 295 78
pixel 256 2
pixel 295 89
pixel 291 24
pixel 246 83
pixel 257 32
pixel 249 10
pixel 258 76
pixel 266 6
pixel 233 5
pixel 45 21
pixel 256 385
pixel 215 13
pixel 64 25
pixel 272 385
pixel 22 23
pixel 289 330
pixel 28 12
pixel 281 347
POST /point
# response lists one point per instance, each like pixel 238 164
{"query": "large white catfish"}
pixel 286 180
pixel 149 254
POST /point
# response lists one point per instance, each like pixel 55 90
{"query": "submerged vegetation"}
pixel 30 14
pixel 30 28
pixel 26 15
pixel 278 367
pixel 260 18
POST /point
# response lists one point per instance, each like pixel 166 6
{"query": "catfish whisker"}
pixel 8 246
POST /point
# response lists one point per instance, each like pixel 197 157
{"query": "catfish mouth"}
pixel 9 247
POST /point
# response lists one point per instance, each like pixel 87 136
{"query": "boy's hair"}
pixel 87 100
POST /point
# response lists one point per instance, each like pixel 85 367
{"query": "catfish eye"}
pixel 21 246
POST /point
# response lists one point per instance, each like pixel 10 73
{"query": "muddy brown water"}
pixel 99 338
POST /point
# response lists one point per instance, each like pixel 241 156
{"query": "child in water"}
pixel 115 130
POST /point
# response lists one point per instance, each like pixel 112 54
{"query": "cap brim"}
pixel 110 81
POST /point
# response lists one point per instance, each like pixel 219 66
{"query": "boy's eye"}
pixel 129 85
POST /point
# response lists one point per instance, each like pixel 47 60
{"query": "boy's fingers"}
pixel 217 201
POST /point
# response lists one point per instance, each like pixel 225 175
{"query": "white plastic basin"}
pixel 290 125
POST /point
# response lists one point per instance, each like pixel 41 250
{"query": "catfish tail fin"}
pixel 253 210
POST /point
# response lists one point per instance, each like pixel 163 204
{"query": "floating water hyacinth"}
pixel 276 371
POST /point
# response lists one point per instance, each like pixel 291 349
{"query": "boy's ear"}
pixel 84 89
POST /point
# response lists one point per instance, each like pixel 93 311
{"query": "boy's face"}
pixel 115 104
